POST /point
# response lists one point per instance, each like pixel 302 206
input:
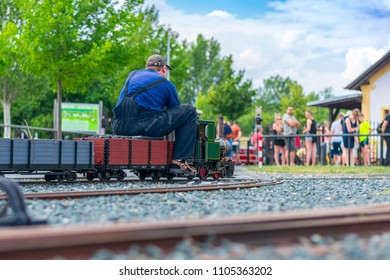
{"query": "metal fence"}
pixel 377 145
pixel 377 149
pixel 21 131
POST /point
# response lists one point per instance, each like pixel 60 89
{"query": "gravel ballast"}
pixel 296 192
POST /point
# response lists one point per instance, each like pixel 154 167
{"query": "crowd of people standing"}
pixel 346 140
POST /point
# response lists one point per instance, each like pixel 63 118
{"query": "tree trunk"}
pixel 7 118
pixel 59 117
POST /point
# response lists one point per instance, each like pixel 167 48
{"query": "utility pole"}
pixel 169 50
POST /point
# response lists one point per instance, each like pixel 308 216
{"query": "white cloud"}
pixel 319 43
pixel 219 14
pixel 359 59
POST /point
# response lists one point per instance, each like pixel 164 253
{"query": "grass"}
pixel 323 169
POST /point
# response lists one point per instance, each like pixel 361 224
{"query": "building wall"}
pixel 376 95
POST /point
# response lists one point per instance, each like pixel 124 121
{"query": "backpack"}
pixel 379 128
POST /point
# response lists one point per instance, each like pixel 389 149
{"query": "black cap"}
pixel 157 60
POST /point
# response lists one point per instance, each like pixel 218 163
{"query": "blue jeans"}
pixel 230 140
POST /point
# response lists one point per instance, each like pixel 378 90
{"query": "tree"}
pixel 203 68
pixel 270 94
pixel 10 73
pixel 69 41
pixel 13 81
pixel 320 114
pixel 274 89
pixel 297 100
pixel 139 37
pixel 232 97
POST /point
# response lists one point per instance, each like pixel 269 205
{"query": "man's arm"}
pixel 384 126
pixel 332 128
pixel 292 122
pixel 238 136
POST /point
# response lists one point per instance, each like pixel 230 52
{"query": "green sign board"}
pixel 80 117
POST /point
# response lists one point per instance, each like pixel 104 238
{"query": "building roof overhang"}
pixel 348 102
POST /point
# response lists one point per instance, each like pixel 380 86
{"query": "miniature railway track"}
pixel 79 242
pixel 84 181
pixel 211 187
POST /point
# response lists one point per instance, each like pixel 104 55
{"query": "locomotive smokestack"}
pixel 220 126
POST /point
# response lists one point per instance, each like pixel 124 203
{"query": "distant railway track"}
pixel 356 177
pixel 80 242
pixel 186 188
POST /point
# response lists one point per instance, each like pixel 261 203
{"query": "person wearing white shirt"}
pixel 335 149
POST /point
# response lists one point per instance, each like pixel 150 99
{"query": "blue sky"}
pixel 240 9
pixel 319 43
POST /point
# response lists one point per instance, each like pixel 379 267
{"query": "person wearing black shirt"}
pixel 311 138
pixel 386 129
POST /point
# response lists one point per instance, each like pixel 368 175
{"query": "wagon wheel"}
pixel 49 177
pixel 216 175
pixel 156 175
pixel 90 176
pixel 170 176
pixel 71 177
pixel 104 176
pixel 203 172
pixel 120 175
pixel 142 175
pixel 60 178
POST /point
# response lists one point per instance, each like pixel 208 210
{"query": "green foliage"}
pixel 297 100
pixel 204 105
pixel 204 68
pixel 9 36
pixel 320 114
pixel 247 123
pixel 70 41
pixel 37 110
pixel 86 49
pixel 137 40
pixel 14 83
pixel 232 96
pixel 276 94
pixel 181 63
pixel 269 97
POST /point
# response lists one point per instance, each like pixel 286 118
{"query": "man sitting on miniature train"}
pixel 148 105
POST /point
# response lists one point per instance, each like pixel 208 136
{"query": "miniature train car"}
pixel 108 156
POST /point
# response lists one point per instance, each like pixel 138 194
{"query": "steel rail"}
pixel 81 194
pixel 356 177
pixel 39 181
pixel 79 242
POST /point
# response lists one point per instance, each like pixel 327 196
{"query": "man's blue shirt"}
pixel 156 98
